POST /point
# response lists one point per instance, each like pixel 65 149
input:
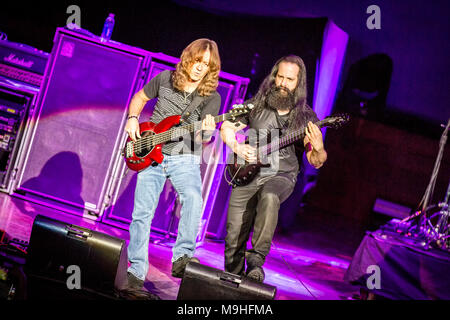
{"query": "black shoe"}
pixel 179 265
pixel 256 273
pixel 134 282
pixel 254 260
pixel 136 294
pixel 136 290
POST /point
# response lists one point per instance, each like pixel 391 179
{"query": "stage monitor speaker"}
pixel 76 134
pixel 68 261
pixel 201 282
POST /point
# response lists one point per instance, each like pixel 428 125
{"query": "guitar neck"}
pixel 288 139
pixel 197 124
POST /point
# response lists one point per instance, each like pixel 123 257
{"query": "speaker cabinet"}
pixel 17 101
pixel 201 282
pixel 69 261
pixel 75 136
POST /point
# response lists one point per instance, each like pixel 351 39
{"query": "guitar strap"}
pixel 282 121
pixel 198 99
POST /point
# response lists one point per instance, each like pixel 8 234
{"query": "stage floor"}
pixel 308 264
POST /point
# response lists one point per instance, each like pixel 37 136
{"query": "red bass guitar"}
pixel 146 151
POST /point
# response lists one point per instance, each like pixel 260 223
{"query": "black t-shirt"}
pixel 269 126
pixel 173 102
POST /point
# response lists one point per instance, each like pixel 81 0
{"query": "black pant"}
pixel 257 205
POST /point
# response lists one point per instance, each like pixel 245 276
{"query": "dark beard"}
pixel 278 101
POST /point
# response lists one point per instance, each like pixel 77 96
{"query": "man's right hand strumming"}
pixel 246 152
pixel 228 134
pixel 132 128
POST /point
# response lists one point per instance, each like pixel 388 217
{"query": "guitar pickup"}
pixel 129 149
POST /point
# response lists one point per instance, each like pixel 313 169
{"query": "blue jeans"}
pixel 184 174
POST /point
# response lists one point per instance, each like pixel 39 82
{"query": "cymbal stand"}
pixel 423 228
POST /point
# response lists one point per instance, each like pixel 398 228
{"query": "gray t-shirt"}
pixel 173 102
pixel 288 159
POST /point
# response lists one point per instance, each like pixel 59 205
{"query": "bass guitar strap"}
pixel 191 107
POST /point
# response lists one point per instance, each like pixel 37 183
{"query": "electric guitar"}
pixel 147 150
pixel 241 174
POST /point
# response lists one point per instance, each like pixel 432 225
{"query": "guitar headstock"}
pixel 337 120
pixel 239 110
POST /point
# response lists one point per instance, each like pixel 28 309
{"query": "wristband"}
pixel 129 117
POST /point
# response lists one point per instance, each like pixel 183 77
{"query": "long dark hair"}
pixel 300 113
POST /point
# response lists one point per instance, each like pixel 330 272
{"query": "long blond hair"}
pixel 190 54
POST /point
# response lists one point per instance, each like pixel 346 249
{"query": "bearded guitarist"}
pixel 196 74
pixel 280 105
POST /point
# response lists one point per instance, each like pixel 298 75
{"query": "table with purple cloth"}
pixel 407 271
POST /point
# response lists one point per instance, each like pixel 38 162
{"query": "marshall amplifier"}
pixel 22 62
pixel 201 282
pixel 66 261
